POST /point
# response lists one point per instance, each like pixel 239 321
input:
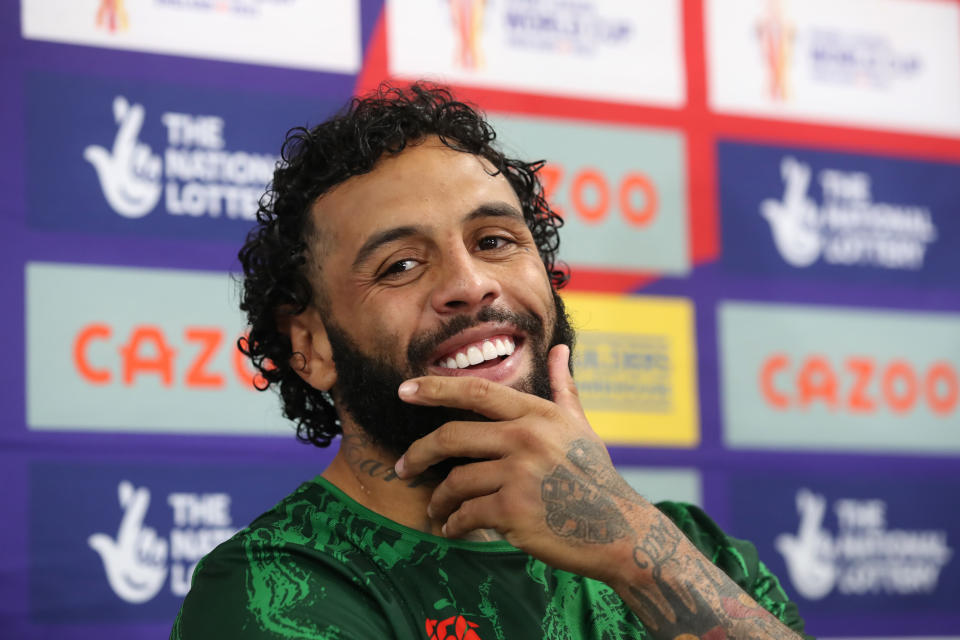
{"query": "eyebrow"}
pixel 486 210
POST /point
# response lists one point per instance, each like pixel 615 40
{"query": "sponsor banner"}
pixel 801 377
pixel 118 542
pixel 813 214
pixel 321 36
pixel 152 160
pixel 599 49
pixel 622 190
pixel 858 544
pixel 635 367
pixel 884 63
pixel 140 350
pixel 658 484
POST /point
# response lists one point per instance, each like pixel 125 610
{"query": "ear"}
pixel 312 356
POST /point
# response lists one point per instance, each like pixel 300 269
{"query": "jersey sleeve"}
pixel 245 591
pixel 738 559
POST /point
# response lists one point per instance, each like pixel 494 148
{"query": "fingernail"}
pixel 408 388
pixel 443 529
pixel 398 467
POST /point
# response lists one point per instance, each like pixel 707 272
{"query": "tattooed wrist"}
pixel 578 510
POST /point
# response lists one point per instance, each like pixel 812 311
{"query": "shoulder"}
pixel 281 577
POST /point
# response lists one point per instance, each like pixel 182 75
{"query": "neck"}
pixel 365 472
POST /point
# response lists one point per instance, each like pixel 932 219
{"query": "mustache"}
pixel 421 347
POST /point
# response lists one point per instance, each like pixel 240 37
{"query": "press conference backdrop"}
pixel 761 204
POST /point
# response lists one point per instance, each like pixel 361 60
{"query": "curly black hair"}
pixel 276 256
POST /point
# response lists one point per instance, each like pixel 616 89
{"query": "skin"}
pixel 545 482
pixel 455 259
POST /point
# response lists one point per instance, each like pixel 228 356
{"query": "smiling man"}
pixel 401 290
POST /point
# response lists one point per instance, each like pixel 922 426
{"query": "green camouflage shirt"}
pixel 321 566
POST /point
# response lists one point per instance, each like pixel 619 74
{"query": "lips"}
pixel 492 350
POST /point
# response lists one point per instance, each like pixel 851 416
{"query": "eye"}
pixel 488 243
pixel 399 267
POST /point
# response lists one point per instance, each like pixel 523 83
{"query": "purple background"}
pixel 47 476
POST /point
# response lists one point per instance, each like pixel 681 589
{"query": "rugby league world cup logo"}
pixel 467 17
pixel 776 37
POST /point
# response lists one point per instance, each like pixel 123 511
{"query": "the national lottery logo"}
pixel 137 559
pixel 863 556
pixel 196 177
pixel 129 172
pixel 848 228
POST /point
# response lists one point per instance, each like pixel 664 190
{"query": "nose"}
pixel 464 283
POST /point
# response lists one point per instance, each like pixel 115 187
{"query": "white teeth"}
pixel 486 350
pixel 474 355
pixel 489 351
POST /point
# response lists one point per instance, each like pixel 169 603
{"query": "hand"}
pixel 135 562
pixel 545 482
pixel 130 173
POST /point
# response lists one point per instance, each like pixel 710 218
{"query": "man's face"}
pixel 428 268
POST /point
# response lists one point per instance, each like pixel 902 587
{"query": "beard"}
pixel 367 383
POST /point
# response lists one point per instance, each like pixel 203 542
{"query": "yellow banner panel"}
pixel 635 367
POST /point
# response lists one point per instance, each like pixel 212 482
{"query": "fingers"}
pixel 479 513
pixel 452 440
pixel 129 129
pixel 495 401
pixel 564 389
pixel 464 483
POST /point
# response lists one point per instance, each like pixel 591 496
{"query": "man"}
pixel 401 291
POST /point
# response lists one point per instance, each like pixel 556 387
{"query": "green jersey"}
pixel 319 565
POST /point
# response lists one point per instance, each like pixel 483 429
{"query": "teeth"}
pixel 489 351
pixel 474 355
pixel 486 350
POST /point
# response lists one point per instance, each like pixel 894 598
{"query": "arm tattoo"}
pixel 577 509
pixel 591 458
pixel 576 503
pixel 681 595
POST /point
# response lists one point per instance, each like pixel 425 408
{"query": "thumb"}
pixel 564 389
pixel 102 544
pixel 97 156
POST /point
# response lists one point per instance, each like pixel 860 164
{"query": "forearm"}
pixel 680 594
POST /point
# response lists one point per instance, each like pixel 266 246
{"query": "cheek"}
pixel 535 285
pixel 386 343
